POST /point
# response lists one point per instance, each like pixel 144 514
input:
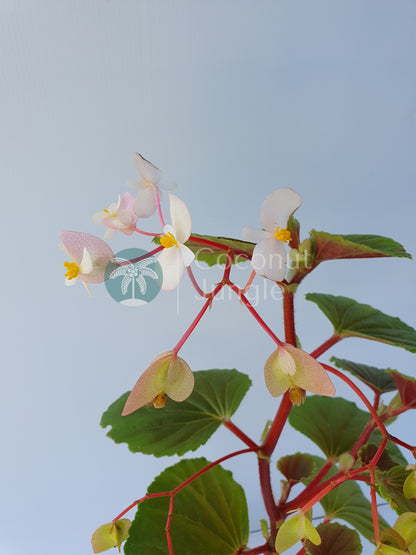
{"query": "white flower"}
pixel 269 255
pixel 118 216
pixel 145 204
pixel 90 256
pixel 175 256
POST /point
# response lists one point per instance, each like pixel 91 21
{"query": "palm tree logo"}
pixel 134 276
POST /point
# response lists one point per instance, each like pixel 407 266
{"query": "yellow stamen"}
pixel 297 395
pixel 106 211
pixel 168 241
pixel 72 270
pixel 282 234
pixel 160 401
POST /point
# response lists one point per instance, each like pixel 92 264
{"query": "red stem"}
pixel 374 511
pixel 240 434
pixel 168 523
pixel 195 284
pixel 277 426
pixel 361 395
pixel 208 467
pixel 159 209
pixel 325 346
pixel 191 328
pixel 142 257
pixel 255 314
pixel 256 550
pixel 411 448
pixel 289 317
pixel 267 493
pixel 146 232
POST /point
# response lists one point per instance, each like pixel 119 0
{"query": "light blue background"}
pixel 232 99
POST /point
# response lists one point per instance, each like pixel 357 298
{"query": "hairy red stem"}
pixel 240 434
pixel 325 346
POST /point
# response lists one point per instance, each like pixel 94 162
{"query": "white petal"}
pixel 255 235
pixel 171 261
pixel 187 255
pixel 181 219
pixel 269 259
pixel 136 183
pixel 86 265
pixel 169 229
pixel 71 282
pixel 145 203
pixel 146 169
pixel 87 287
pixel 99 217
pixel 109 234
pixel 278 207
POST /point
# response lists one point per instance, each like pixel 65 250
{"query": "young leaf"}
pixel 331 247
pixel 179 427
pixel 390 487
pixel 334 424
pixel 352 319
pixel 296 468
pixel 379 380
pixel 406 387
pixel 335 538
pixel 209 515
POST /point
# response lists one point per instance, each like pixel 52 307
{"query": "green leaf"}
pixel 390 487
pixel 378 379
pixel 335 538
pixel 347 502
pixel 209 515
pixel 179 427
pixel 334 424
pixel 297 467
pixel 215 252
pixel 352 319
pixel 331 247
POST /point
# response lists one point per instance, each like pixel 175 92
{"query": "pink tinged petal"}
pixel 278 207
pixel 145 203
pixel 173 267
pixel 255 235
pixel 187 255
pixel 269 259
pixel 74 243
pixel 310 375
pixel 151 383
pixel 127 202
pixel 285 361
pixel 86 265
pixel 146 169
pixel 181 219
pixel 277 381
pixel 180 380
